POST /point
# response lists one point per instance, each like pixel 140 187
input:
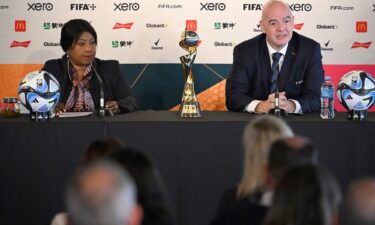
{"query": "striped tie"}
pixel 275 70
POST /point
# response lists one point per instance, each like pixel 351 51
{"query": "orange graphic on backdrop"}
pixel 11 75
pixel 211 99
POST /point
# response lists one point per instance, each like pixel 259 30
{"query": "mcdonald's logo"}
pixel 191 25
pixel 361 26
pixel 20 25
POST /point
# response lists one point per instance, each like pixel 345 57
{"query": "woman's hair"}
pixel 101 148
pixel 258 136
pixel 305 195
pixel 72 30
pixel 151 191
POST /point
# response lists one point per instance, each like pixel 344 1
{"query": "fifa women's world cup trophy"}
pixel 189 106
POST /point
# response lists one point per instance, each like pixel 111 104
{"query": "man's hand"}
pixel 284 103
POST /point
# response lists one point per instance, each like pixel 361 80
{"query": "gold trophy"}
pixel 189 106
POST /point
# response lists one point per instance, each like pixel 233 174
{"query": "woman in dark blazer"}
pixel 82 76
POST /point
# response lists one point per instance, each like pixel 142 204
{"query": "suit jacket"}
pixel 301 74
pixel 115 86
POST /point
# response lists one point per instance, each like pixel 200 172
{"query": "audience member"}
pixel 98 149
pixel 151 191
pixel 257 138
pixel 101 148
pixel 284 153
pixel 359 207
pixel 305 195
pixel 101 193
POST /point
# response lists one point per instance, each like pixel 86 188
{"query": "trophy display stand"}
pixel 189 106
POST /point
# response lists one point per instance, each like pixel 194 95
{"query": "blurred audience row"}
pixel 282 184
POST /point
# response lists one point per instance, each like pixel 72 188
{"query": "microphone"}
pixel 277 103
pixel 101 102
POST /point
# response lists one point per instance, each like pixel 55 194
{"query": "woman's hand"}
pixel 112 106
pixel 59 108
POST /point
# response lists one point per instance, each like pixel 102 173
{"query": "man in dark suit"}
pixel 297 73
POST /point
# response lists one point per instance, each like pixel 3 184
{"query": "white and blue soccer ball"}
pixel 356 91
pixel 39 91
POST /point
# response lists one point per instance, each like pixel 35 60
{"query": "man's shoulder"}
pixel 302 40
pixel 252 42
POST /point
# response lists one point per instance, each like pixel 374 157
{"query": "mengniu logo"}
pixel 361 45
pixel 24 44
pixel 224 25
pixel 192 25
pixel 123 25
pixel 82 7
pixel 47 6
pixel 361 26
pixel 298 26
pixel 20 25
pixel 210 6
pixel 121 44
pixel 49 25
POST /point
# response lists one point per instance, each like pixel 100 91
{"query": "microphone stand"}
pixel 101 102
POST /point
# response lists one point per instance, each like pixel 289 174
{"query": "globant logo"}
pixel 23 44
pixel 156 25
pixel 123 25
pixel 47 6
pixel 210 6
pixel 121 44
pixel 51 25
pixel 126 6
pixel 300 7
pixel 326 48
pixel 156 45
pixel 298 26
pixel 51 44
pixel 224 25
pixel 252 7
pixel 224 44
pixel 361 45
pixel 326 27
pixel 82 7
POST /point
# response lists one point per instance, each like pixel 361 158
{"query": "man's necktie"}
pixel 275 70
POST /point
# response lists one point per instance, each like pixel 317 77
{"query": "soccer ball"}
pixel 39 91
pixel 356 91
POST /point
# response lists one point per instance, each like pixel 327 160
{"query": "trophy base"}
pixel 357 115
pixel 190 110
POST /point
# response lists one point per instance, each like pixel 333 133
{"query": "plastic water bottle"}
pixel 327 91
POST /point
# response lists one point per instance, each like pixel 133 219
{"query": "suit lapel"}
pixel 265 66
pixel 287 67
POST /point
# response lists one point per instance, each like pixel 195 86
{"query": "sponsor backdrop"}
pixel 144 35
